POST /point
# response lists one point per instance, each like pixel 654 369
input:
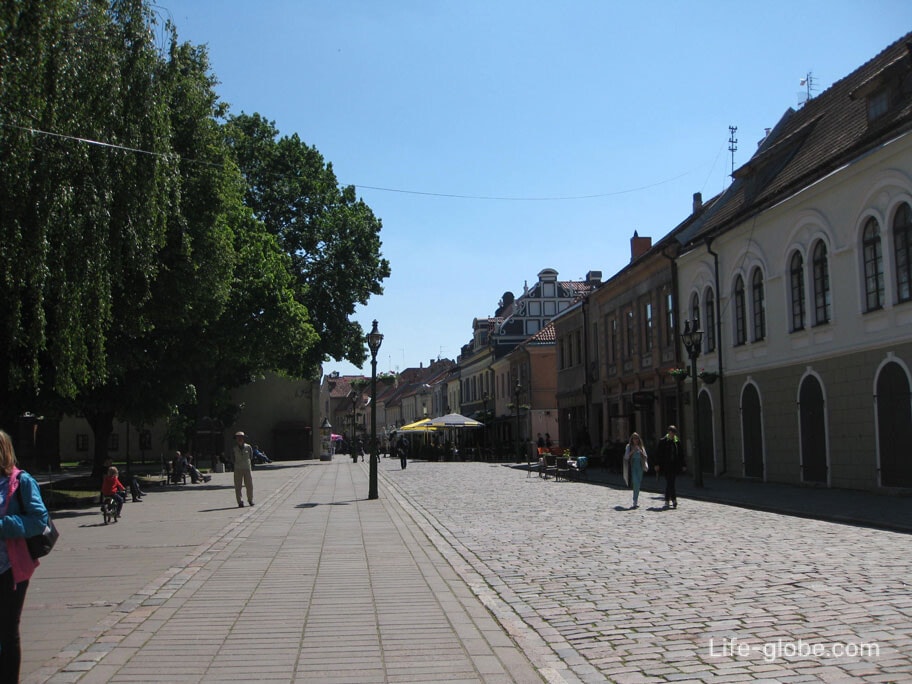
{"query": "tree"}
pixel 332 238
pixel 81 222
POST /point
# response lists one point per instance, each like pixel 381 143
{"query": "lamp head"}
pixel 374 339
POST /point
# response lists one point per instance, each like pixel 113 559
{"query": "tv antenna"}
pixel 809 87
pixel 732 145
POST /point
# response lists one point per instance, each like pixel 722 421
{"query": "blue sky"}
pixel 498 138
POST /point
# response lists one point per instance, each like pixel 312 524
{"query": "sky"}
pixel 497 138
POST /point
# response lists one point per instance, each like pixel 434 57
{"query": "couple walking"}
pixel 669 458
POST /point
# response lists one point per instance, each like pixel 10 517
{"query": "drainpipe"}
pixel 679 402
pixel 715 257
pixel 587 384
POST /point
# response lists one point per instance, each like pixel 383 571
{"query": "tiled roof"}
pixel 827 132
pixel 341 385
pixel 546 335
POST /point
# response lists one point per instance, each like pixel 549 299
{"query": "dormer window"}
pixel 878 104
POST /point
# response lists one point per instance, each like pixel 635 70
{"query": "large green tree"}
pixel 331 236
pixel 152 258
pixel 81 221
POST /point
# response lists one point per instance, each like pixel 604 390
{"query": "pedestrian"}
pixel 242 461
pixel 24 515
pixel 670 462
pixel 635 465
pixel 402 447
pixel 547 440
pixel 541 443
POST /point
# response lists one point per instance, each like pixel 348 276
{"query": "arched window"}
pixel 873 266
pixel 902 241
pixel 758 306
pixel 695 311
pixel 796 286
pixel 821 284
pixel 740 313
pixel 710 333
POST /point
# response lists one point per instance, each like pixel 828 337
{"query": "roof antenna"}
pixel 732 145
pixel 808 84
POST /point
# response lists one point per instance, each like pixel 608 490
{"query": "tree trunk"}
pixel 102 424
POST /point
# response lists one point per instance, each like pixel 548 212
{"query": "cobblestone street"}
pixel 706 592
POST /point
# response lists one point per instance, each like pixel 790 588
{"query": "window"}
pixel 902 239
pixel 579 347
pixel 630 333
pixel 669 321
pixel 647 327
pixel 878 104
pixel 740 313
pixel 821 285
pixel 613 340
pixel 759 306
pixel 796 284
pixel 709 335
pixel 695 312
pixel 873 266
pixel 82 442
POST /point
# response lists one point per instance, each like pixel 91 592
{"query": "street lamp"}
pixel 693 342
pixel 374 339
pixel 516 392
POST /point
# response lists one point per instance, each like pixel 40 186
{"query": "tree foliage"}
pixel 332 238
pixel 154 254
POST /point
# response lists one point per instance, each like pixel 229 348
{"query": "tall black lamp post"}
pixel 693 342
pixel 374 339
pixel 516 392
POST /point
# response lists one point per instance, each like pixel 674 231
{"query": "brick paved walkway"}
pixel 467 572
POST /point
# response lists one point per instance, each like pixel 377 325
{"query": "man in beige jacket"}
pixel 243 457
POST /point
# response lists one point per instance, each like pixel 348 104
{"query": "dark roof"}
pixel 827 132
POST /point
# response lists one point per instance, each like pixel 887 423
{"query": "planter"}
pixel 708 377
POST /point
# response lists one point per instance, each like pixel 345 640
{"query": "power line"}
pixel 501 198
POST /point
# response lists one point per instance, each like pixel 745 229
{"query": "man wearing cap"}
pixel 670 462
pixel 243 457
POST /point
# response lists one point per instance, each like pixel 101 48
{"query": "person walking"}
pixel 670 462
pixel 243 464
pixel 24 515
pixel 402 446
pixel 635 465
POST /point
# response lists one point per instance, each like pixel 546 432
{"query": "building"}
pixel 800 278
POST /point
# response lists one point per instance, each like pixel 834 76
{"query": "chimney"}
pixel 698 202
pixel 639 246
pixel 594 279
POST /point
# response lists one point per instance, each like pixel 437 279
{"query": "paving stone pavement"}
pixel 464 572
pixel 707 592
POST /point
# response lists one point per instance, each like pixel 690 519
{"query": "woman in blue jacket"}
pixel 16 564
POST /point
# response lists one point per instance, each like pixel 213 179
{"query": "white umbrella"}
pixel 454 420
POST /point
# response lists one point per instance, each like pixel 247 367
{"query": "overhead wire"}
pixel 501 198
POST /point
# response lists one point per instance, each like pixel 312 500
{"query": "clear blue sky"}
pixel 515 135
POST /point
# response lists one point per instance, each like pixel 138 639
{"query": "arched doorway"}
pixel 894 426
pixel 707 442
pixel 813 431
pixel 752 432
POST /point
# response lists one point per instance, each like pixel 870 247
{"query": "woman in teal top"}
pixel 635 465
